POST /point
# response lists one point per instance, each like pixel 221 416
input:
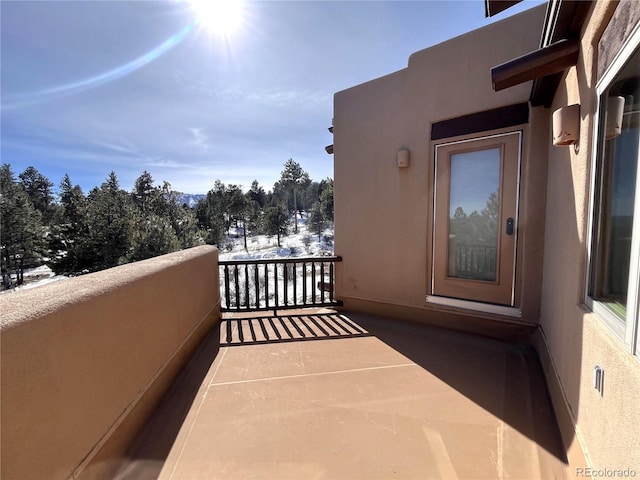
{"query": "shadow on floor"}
pixel 154 444
pixel 288 328
pixel 505 380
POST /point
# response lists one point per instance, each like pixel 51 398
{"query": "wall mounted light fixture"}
pixel 566 125
pixel 402 158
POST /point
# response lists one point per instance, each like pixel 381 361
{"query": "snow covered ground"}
pixel 276 282
pixel 36 277
pixel 302 244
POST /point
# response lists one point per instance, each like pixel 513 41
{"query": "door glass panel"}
pixel 474 207
pixel 474 247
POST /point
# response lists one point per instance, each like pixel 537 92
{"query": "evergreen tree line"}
pixel 74 233
pixel 268 213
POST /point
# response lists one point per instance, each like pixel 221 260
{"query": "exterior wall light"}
pixel 402 158
pixel 566 125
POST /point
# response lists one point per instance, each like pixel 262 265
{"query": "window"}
pixel 614 269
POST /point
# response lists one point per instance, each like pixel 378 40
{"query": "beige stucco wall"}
pixel 383 213
pixel 574 339
pixel 84 361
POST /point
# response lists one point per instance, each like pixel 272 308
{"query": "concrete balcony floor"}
pixel 349 396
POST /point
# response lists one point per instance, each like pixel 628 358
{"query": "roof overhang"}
pixel 559 50
pixel 493 7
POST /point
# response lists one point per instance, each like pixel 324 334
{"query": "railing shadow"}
pixel 287 328
pixel 153 446
pixel 504 379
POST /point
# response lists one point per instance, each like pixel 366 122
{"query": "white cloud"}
pixel 200 138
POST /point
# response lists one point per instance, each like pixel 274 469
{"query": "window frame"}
pixel 626 332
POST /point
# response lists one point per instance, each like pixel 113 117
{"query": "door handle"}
pixel 509 226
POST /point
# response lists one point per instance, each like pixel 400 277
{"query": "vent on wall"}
pixel 598 379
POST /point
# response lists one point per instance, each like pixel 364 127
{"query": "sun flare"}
pixel 219 17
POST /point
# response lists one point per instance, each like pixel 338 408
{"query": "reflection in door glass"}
pixel 474 206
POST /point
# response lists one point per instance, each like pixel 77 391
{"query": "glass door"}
pixel 475 225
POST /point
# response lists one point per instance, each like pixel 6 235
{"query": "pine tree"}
pixel 22 242
pixel 235 203
pixel 39 189
pixel 145 194
pixel 152 233
pixel 275 221
pixel 186 227
pixel 241 209
pixel 162 225
pixel 181 217
pixel 257 194
pixel 294 178
pixel 252 214
pixel 316 220
pixel 110 224
pixel 69 237
pixel 211 213
pixel 152 236
pixel 326 199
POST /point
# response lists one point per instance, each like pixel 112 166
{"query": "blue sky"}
pixel 94 86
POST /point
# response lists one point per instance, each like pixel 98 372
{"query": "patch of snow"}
pixel 36 277
pixel 41 270
pixel 301 244
pixel 42 282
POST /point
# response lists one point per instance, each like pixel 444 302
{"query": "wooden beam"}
pixel 502 117
pixel 493 7
pixel 555 58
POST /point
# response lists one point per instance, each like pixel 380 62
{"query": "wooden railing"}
pixel 476 262
pixel 276 284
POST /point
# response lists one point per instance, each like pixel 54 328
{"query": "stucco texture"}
pixel 577 340
pixel 383 213
pixel 79 355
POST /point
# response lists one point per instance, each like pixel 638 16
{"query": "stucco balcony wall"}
pixel 85 361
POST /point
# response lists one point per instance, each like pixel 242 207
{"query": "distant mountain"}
pixel 190 199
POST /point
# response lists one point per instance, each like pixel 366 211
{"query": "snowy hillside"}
pixel 302 244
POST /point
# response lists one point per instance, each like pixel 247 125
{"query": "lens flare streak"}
pixel 20 100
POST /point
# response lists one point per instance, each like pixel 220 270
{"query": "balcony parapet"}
pixel 86 360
